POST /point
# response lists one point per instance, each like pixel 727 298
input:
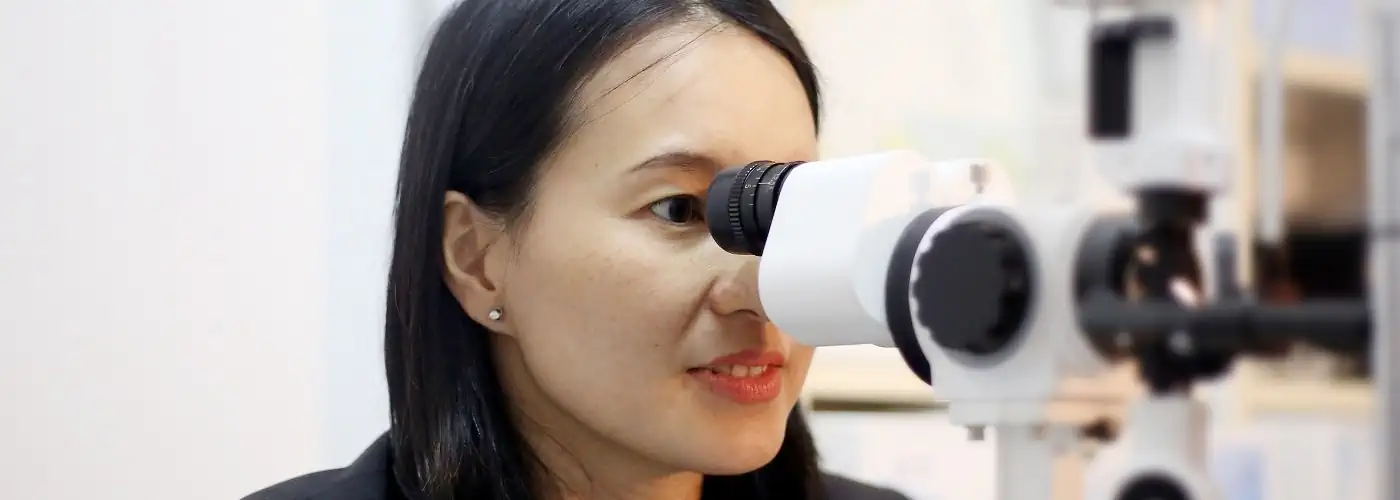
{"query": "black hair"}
pixel 491 101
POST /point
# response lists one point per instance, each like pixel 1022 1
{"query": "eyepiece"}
pixel 741 202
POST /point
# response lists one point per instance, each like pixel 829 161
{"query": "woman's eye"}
pixel 679 210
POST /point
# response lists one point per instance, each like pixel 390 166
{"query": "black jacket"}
pixel 370 477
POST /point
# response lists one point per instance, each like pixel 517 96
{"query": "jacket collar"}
pixel 377 463
pixel 377 458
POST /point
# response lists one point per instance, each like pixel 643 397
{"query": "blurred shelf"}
pixel 1322 72
pixel 1313 397
pixel 864 374
pixel 868 375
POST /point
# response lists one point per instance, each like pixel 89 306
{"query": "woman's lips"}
pixel 742 384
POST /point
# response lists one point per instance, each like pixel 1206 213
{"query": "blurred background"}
pixel 194 216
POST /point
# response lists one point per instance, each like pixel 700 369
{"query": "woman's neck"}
pixel 572 470
pixel 575 462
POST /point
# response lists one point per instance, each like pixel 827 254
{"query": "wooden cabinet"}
pixel 1324 164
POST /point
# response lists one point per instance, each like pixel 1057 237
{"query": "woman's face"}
pixel 619 308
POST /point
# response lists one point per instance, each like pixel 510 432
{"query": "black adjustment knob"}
pixel 1153 487
pixel 974 287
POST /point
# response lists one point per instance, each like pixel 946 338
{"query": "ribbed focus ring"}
pixel 736 198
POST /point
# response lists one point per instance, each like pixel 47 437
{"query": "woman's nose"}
pixel 736 292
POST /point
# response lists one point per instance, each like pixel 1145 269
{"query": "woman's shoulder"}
pixel 324 485
pixel 841 488
pixel 347 484
pixel 370 478
pixel 367 478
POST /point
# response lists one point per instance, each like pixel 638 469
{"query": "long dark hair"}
pixel 489 104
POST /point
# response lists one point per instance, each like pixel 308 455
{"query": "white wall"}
pixel 954 78
pixel 194 202
pixel 375 47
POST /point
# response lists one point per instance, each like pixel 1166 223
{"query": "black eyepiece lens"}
pixel 740 205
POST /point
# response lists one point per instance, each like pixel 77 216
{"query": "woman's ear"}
pixel 470 237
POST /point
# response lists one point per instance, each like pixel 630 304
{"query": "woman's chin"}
pixel 726 457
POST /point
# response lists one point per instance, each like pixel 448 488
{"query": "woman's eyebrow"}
pixel 684 160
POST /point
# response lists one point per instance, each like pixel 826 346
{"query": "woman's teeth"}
pixel 739 370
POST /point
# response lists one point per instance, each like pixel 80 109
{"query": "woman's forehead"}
pixel 717 90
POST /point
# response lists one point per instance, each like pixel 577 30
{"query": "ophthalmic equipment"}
pixel 1013 312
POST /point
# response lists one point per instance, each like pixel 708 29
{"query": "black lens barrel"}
pixel 741 202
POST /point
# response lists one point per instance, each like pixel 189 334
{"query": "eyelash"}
pixel 694 211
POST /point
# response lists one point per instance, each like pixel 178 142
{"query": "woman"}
pixel 560 324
